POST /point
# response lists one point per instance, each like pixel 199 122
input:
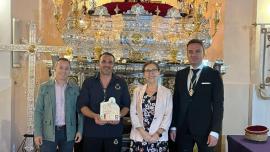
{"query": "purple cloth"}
pixel 238 143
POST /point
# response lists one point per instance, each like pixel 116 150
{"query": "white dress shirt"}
pixel 60 104
pixel 190 75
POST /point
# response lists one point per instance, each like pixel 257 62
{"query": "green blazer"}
pixel 44 116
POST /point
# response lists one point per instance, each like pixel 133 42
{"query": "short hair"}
pixel 62 59
pixel 107 53
pixel 192 41
pixel 150 62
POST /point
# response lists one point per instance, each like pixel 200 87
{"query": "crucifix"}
pixel 31 49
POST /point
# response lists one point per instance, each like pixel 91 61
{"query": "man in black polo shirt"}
pixel 103 136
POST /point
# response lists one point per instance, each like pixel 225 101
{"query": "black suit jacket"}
pixel 203 111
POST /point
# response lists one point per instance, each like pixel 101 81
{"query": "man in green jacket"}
pixel 55 114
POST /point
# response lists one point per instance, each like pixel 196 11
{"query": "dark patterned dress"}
pixel 148 108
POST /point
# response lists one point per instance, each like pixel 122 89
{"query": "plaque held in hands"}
pixel 109 111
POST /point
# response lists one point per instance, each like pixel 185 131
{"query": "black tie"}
pixel 193 79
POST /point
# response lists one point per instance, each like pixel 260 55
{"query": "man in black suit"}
pixel 197 103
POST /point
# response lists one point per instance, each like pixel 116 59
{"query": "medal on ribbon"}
pixel 191 92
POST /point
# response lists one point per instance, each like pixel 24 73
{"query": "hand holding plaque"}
pixel 109 111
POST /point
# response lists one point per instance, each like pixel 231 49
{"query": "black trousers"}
pixel 102 145
pixel 185 141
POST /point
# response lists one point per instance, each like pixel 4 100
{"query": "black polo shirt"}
pixel 92 94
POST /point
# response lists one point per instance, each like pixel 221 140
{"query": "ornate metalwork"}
pixel 29 145
pixel 139 32
pixel 138 9
pixel 264 88
pixel 174 13
pixel 101 10
pixel 38 48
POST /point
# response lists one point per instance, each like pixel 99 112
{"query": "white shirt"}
pixel 60 104
pixel 212 133
pixel 190 75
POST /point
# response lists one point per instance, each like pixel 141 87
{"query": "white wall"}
pixel 239 16
pixel 263 11
pixel 243 106
pixel 260 110
pixel 5 81
pixel 260 107
pixel 5 22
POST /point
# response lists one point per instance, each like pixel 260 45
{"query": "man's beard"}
pixel 106 72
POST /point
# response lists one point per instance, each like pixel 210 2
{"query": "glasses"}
pixel 150 70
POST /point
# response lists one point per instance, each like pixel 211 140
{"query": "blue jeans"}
pixel 60 142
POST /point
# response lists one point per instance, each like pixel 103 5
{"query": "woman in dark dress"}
pixel 151 113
